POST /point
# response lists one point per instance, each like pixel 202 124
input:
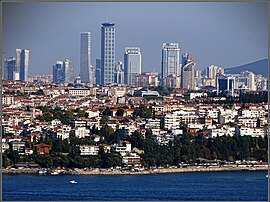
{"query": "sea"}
pixel 198 186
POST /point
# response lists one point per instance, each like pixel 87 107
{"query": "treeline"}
pixel 184 148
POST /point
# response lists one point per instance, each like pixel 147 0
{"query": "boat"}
pixel 73 182
pixel 266 176
pixel 42 171
pixel 55 173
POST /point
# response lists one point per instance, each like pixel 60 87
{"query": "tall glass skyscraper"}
pixel 68 71
pixel 85 57
pixel 107 53
pixel 63 72
pixel 188 71
pixel 9 68
pixel 132 64
pixel 170 60
pixel 24 64
pixel 58 72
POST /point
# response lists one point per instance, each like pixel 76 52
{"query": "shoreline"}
pixel 142 172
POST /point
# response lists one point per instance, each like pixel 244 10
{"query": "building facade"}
pixel 63 72
pixel 188 72
pixel 24 65
pixel 170 64
pixel 119 73
pixel 107 53
pixel 85 57
pixel 132 63
pixel 9 68
pixel 147 79
pixel 69 71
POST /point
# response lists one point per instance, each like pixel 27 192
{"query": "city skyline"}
pixel 246 27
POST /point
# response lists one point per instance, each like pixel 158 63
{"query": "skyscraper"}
pixel 251 84
pixel 107 53
pixel 18 60
pixel 188 71
pixel 170 64
pixel 85 57
pixel 68 71
pixel 22 58
pixel 63 72
pixel 58 72
pixel 98 71
pixel 119 72
pixel 9 68
pixel 132 64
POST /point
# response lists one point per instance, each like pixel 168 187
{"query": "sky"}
pixel 225 34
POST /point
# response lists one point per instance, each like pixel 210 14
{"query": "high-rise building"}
pixel 132 63
pixel 172 81
pixel 170 60
pixel 107 53
pixel 85 57
pixel 68 71
pixel 188 71
pixel 58 72
pixel 63 72
pixel 18 60
pixel 147 79
pixel 226 84
pixel 22 58
pixel 119 72
pixel 98 71
pixel 9 68
pixel 251 84
pixel 198 78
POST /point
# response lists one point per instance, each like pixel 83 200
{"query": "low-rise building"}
pixel 87 150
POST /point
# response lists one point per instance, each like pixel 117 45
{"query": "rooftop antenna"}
pixel 107 20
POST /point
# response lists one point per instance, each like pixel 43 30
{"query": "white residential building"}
pixel 254 132
pixel 89 150
pixel 81 132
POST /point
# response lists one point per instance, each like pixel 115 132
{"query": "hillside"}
pixel 258 67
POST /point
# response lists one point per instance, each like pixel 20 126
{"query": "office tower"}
pixel 170 64
pixel 58 72
pixel 251 84
pixel 9 68
pixel 23 60
pixel 211 71
pixel 119 72
pixel 18 60
pixel 107 53
pixel 198 78
pixel 98 71
pixel 85 57
pixel 226 84
pixel 68 71
pixel 188 71
pixel 92 75
pixel 132 63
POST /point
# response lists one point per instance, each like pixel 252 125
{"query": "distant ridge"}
pixel 258 67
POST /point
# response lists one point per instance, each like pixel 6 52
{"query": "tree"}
pixel 104 119
pixel 107 112
pixel 120 112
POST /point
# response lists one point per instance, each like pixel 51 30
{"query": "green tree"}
pixel 120 112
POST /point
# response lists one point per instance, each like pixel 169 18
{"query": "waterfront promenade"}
pixel 98 171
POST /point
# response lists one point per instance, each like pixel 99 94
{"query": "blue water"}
pixel 237 185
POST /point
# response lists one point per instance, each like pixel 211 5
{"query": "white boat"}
pixel 266 176
pixel 73 182
pixel 55 173
pixel 42 171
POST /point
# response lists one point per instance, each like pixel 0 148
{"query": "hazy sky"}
pixel 225 34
